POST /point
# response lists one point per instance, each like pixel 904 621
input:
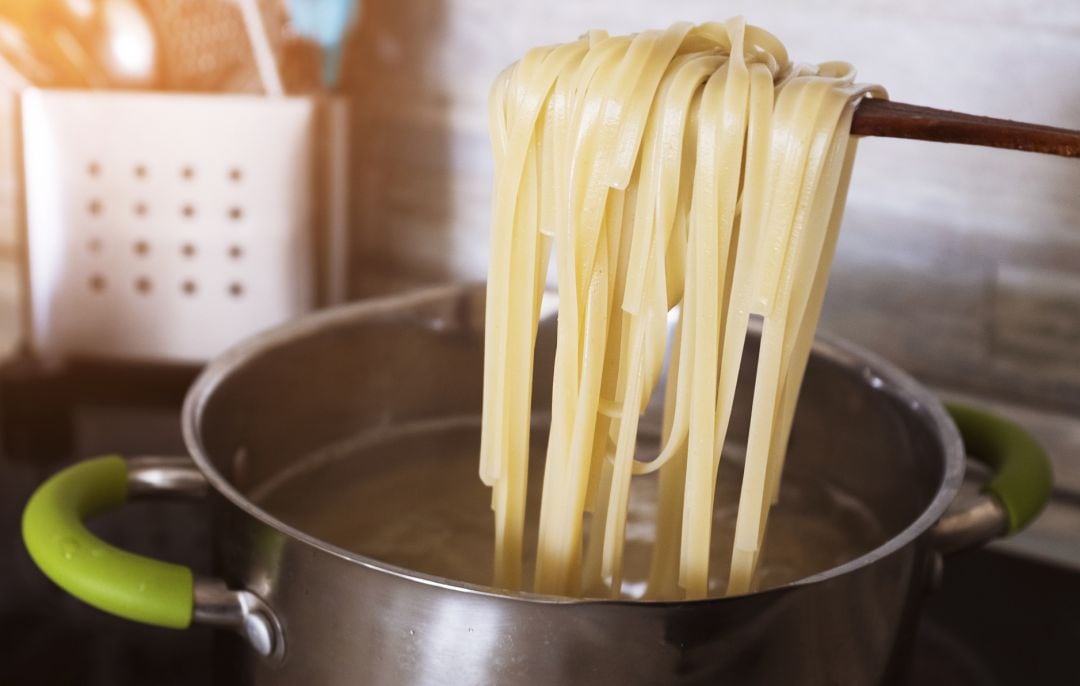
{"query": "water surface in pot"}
pixel 409 495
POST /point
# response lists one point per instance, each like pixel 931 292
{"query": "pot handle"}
pixel 125 584
pixel 1016 494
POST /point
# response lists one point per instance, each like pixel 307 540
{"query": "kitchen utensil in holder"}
pixel 164 228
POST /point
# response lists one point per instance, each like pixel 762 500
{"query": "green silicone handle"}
pixel 1023 477
pixel 110 579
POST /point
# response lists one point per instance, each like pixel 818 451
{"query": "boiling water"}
pixel 410 496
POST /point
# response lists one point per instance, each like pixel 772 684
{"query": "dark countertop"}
pixel 46 636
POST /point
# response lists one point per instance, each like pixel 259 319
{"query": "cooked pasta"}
pixel 694 170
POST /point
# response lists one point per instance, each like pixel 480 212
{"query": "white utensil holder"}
pixel 164 228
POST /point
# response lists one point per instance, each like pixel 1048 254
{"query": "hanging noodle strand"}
pixel 693 168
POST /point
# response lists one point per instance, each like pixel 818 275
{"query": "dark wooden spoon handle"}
pixel 889 119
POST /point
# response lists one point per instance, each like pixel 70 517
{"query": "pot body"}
pixel 347 619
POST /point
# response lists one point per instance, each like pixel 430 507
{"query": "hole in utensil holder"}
pixel 141 171
pixel 236 213
pixel 141 248
pixel 94 245
pixel 141 209
pixel 236 175
pixel 236 252
pixel 96 283
pixel 143 285
pixel 236 289
pixel 188 250
pixel 187 173
pixel 188 287
pixel 188 211
pixel 94 207
pixel 93 169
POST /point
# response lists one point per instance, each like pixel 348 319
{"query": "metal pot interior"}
pixel 360 429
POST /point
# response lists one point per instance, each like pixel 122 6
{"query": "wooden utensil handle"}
pixel 899 120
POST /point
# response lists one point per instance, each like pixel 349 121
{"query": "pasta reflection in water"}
pixel 408 495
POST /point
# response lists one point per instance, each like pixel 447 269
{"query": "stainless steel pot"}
pixel 317 613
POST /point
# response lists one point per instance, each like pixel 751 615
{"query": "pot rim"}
pixel 881 374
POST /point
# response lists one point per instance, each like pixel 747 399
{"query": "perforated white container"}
pixel 167 227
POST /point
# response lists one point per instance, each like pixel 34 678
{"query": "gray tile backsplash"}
pixel 984 316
